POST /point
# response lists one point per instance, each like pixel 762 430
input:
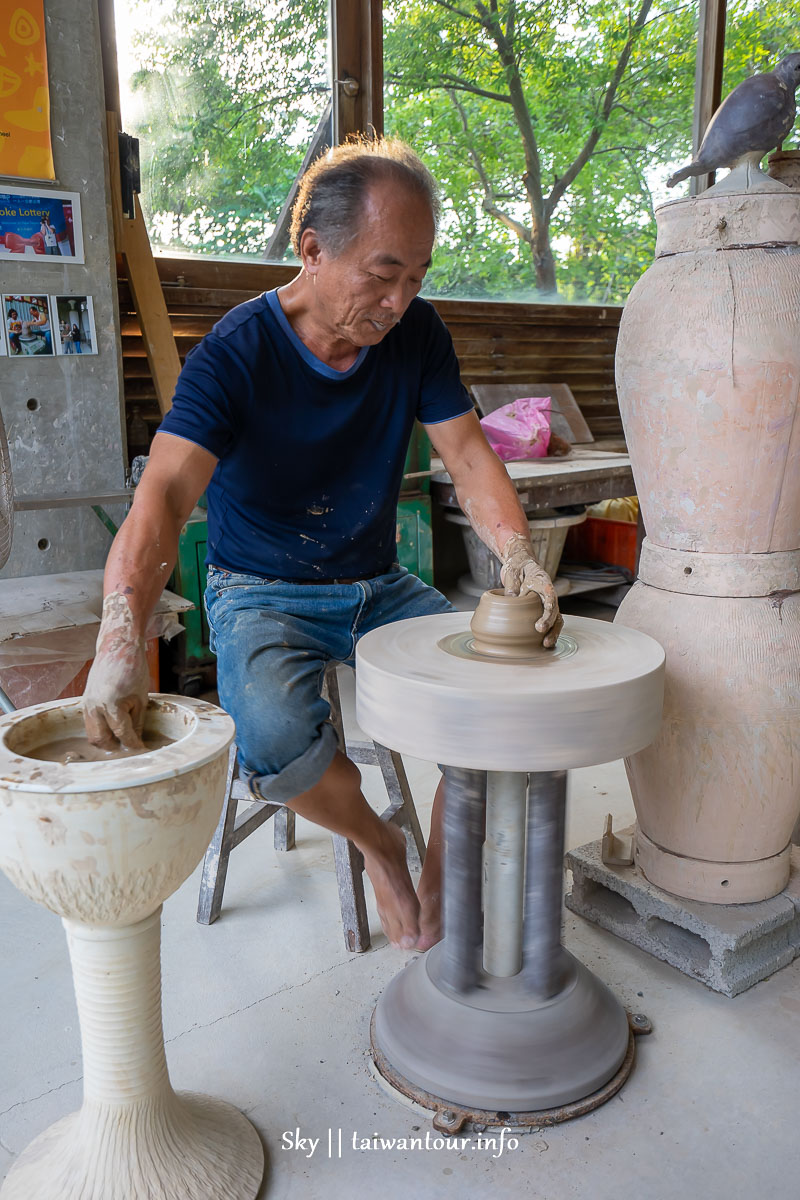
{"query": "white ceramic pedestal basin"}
pixel 103 844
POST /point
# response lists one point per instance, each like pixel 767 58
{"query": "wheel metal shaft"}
pixel 504 872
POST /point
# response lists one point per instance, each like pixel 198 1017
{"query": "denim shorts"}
pixel 273 640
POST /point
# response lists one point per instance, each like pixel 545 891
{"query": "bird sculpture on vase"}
pixel 753 119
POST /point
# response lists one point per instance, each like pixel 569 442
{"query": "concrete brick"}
pixel 727 947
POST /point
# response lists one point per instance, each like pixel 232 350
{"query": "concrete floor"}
pixel 266 1009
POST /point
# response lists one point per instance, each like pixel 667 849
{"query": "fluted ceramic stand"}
pixel 133 1135
pixel 144 823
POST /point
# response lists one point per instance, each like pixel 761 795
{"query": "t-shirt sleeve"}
pixel 442 394
pixel 202 410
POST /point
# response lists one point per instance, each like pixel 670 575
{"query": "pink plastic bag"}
pixel 520 429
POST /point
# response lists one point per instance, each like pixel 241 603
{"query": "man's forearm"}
pixel 141 560
pixel 489 499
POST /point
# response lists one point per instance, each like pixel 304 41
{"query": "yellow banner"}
pixel 25 148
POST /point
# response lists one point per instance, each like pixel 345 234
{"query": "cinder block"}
pixel 727 947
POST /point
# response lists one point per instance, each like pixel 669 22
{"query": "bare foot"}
pixel 398 907
pixel 430 919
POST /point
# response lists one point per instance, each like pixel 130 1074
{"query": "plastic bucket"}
pixel 548 534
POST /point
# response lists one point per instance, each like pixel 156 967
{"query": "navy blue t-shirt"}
pixel 310 458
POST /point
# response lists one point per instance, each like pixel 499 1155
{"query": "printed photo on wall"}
pixel 27 324
pixel 45 224
pixel 75 324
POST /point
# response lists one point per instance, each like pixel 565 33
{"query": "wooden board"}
pixel 566 419
pixel 133 242
pixel 589 476
pixel 46 603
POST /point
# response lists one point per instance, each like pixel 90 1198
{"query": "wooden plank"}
pixel 356 35
pixel 193 326
pixel 517 345
pixel 528 342
pixel 478 310
pixel 605 426
pixel 40 603
pixel 320 140
pixel 555 493
pixel 196 271
pixel 132 240
pixel 548 347
pixel 108 51
pixel 473 371
pixel 180 299
pixel 136 368
pixel 708 78
pixel 474 324
pixel 252 278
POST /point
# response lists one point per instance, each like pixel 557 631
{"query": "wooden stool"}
pixel 233 829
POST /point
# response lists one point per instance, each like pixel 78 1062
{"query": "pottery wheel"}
pixel 595 697
pixel 498 1019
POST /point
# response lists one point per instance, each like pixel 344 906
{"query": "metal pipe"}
pixel 504 872
pixel 464 820
pixel 542 955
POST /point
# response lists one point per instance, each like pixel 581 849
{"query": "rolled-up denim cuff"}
pixel 297 776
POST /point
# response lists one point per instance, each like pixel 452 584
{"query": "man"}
pixel 50 236
pixel 295 413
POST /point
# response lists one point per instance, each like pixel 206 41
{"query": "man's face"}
pixel 363 292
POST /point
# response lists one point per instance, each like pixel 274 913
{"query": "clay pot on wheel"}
pixel 506 625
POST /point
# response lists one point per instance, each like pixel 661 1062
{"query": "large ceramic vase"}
pixel 708 373
pixel 103 844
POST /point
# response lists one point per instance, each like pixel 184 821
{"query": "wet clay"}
pixel 79 749
pixel 505 626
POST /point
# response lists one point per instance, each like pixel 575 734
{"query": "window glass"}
pixel 226 97
pixel 553 127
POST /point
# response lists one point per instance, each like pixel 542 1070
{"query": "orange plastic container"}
pixel 599 540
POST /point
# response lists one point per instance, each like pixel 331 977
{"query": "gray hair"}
pixel 331 196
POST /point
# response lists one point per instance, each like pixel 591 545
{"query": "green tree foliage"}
pixel 225 101
pixel 550 124
pixel 552 127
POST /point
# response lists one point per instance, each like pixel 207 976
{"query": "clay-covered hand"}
pixel 115 697
pixel 521 573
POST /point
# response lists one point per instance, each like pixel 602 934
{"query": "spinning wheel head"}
pixel 423 688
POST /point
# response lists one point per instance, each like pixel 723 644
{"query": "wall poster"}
pixel 25 147
pixel 47 224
